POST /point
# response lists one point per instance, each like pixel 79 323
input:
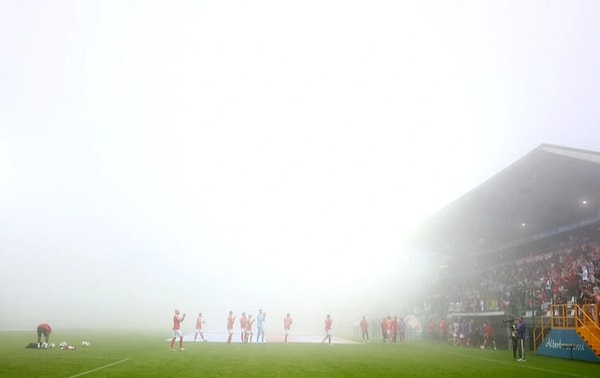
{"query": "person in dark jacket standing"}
pixel 521 335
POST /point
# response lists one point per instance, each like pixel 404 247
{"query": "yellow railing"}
pixel 587 317
pixel 539 332
pixel 588 314
pixel 568 316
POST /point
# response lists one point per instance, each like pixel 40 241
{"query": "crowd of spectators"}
pixel 528 284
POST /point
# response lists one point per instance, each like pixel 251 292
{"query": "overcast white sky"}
pixel 244 154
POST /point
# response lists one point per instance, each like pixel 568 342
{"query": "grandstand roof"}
pixel 549 191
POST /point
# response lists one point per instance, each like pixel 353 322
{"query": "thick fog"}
pixel 216 156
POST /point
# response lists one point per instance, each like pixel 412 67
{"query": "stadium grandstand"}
pixel 525 243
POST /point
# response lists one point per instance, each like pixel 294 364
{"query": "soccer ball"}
pixel 63 344
pixel 85 343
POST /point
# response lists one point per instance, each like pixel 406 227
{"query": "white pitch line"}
pixel 524 366
pixel 100 368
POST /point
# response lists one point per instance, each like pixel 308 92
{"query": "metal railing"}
pixel 568 316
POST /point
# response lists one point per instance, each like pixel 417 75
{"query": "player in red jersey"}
pixel 444 330
pixel 230 321
pixel 385 332
pixel 249 331
pixel 243 321
pixel 287 325
pixel 177 319
pixel 364 329
pixel 43 330
pixel 328 326
pixel 489 336
pixel 199 322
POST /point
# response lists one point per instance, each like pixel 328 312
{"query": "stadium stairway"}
pixel 584 319
pixel 590 333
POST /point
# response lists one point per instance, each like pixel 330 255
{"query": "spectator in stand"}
pixel 584 274
pixel 584 297
pixel 560 301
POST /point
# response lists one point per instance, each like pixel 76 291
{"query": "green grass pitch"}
pixel 130 354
